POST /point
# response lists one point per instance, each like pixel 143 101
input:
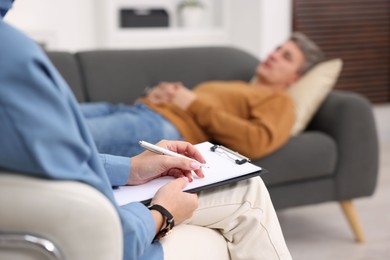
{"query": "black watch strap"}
pixel 169 221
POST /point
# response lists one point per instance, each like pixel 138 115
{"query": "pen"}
pixel 156 149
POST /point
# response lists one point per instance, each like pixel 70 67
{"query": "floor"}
pixel 321 232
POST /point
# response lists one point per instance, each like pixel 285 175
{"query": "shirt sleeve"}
pixel 117 168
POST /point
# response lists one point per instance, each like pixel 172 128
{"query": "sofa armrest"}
pixel 75 217
pixel 347 117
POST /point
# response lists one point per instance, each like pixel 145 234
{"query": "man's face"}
pixel 281 68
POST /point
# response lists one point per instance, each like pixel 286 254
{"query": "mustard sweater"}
pixel 249 120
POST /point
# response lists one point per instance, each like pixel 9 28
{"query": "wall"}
pixel 63 24
pixel 256 26
pixel 276 24
pixel 259 26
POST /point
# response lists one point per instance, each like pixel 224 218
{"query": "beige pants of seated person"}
pixel 244 215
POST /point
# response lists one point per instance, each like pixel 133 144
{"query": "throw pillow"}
pixel 310 91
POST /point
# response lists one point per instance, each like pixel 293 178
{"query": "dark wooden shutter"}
pixel 358 31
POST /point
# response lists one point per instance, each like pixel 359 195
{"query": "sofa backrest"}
pixel 122 75
pixel 68 66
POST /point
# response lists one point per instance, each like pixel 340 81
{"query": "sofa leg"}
pixel 353 219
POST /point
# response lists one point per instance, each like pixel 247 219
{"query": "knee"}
pixel 258 190
pixel 257 184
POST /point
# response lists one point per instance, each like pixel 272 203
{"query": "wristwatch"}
pixel 169 221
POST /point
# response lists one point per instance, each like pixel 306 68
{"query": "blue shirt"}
pixel 43 134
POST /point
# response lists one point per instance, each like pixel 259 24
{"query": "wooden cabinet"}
pixel 358 31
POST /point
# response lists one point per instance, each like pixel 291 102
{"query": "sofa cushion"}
pixel 67 65
pixel 122 75
pixel 307 156
pixel 310 91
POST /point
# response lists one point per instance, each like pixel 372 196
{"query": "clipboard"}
pixel 224 169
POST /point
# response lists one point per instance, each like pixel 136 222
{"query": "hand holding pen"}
pixel 159 150
pixel 148 166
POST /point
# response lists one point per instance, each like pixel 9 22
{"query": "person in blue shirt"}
pixel 43 134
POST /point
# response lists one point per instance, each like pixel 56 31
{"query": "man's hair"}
pixel 310 50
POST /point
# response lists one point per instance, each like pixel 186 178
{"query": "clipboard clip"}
pixel 236 157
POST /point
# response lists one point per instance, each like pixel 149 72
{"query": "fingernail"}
pixel 195 165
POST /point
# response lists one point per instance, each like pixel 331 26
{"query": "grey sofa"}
pixel 334 159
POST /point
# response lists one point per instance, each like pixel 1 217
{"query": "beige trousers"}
pixel 244 215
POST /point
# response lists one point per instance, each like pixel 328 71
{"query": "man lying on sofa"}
pixel 252 118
